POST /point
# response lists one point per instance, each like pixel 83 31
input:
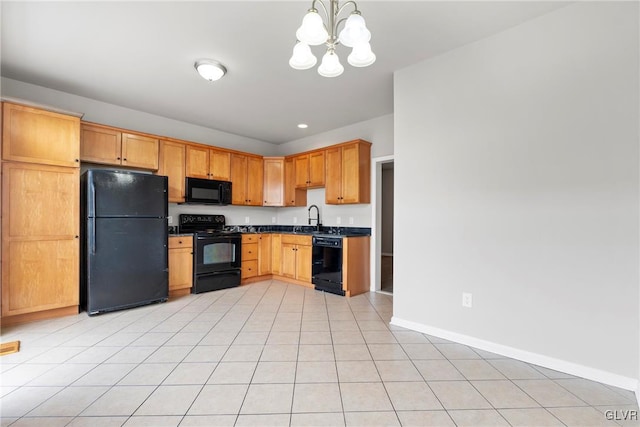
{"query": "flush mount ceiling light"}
pixel 314 32
pixel 210 70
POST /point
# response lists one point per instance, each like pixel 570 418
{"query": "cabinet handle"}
pixel 77 236
pixel 77 160
pixel 125 159
pixel 117 158
pixel 179 242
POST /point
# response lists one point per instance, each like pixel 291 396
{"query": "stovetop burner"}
pixel 202 224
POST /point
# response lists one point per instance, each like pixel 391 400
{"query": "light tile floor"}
pixel 280 355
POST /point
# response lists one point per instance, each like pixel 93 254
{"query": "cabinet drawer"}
pixel 249 238
pixel 180 242
pixel 249 251
pixel 296 239
pixel 249 268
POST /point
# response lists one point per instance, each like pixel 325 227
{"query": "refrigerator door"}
pixel 125 194
pixel 127 263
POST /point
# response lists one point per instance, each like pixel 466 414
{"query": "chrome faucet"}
pixel 317 218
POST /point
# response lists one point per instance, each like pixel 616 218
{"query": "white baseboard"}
pixel 578 370
pixel 386 254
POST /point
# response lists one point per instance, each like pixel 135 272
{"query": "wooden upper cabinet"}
pixel 348 173
pixel 293 196
pixel 273 190
pixel 310 170
pixel 111 146
pixel 206 163
pixel 255 178
pixel 220 165
pixel 33 135
pixel 100 145
pixel 246 179
pixel 139 151
pixel 197 165
pixel 172 165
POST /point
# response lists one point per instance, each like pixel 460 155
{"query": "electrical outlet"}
pixel 467 300
pixel 350 220
pixel 273 220
pixel 338 220
pixel 295 219
pixel 170 219
pixel 247 220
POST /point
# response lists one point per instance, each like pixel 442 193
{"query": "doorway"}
pixel 382 222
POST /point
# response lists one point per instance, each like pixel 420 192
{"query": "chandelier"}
pixel 314 32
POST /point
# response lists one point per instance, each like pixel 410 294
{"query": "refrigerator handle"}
pixel 92 237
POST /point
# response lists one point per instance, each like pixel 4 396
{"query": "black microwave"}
pixel 207 191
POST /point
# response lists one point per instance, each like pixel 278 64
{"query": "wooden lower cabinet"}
pixel 180 265
pixel 249 266
pixel 356 275
pixel 40 241
pixel 296 257
pixel 264 254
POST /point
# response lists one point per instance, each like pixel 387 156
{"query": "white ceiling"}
pixel 140 55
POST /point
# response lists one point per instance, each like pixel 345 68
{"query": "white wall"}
pixel 114 115
pixel 516 168
pixel 234 215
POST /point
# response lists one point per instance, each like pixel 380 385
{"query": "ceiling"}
pixel 140 55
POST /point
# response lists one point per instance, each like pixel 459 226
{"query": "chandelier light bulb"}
pixel 312 31
pixel 330 66
pixel 302 58
pixel 361 55
pixel 355 31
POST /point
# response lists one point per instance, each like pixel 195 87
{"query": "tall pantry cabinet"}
pixel 40 213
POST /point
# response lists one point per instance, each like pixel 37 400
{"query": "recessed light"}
pixel 303 125
pixel 210 70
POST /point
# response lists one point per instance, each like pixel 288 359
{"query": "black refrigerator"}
pixel 124 240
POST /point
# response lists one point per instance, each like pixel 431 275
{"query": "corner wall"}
pixel 516 168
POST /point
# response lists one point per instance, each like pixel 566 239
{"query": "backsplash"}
pixel 330 215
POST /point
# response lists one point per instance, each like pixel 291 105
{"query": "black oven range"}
pixel 216 253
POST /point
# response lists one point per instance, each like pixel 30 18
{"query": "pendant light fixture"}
pixel 314 31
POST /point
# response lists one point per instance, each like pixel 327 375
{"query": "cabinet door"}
pixel 239 179
pixel 288 260
pixel 333 189
pixel 197 165
pixel 273 182
pixel 36 136
pixel 180 268
pixel 301 165
pixel 220 165
pixel 139 151
pixel 40 250
pixel 100 145
pixel 350 174
pixel 264 254
pixel 255 178
pixel 276 253
pixel 172 165
pixel 316 169
pixel 292 196
pixel 303 263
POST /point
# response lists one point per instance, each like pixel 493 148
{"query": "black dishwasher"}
pixel 326 270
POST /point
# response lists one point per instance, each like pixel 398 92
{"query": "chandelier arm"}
pixel 324 8
pixel 355 7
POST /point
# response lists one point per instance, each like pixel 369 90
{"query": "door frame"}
pixel 376 218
